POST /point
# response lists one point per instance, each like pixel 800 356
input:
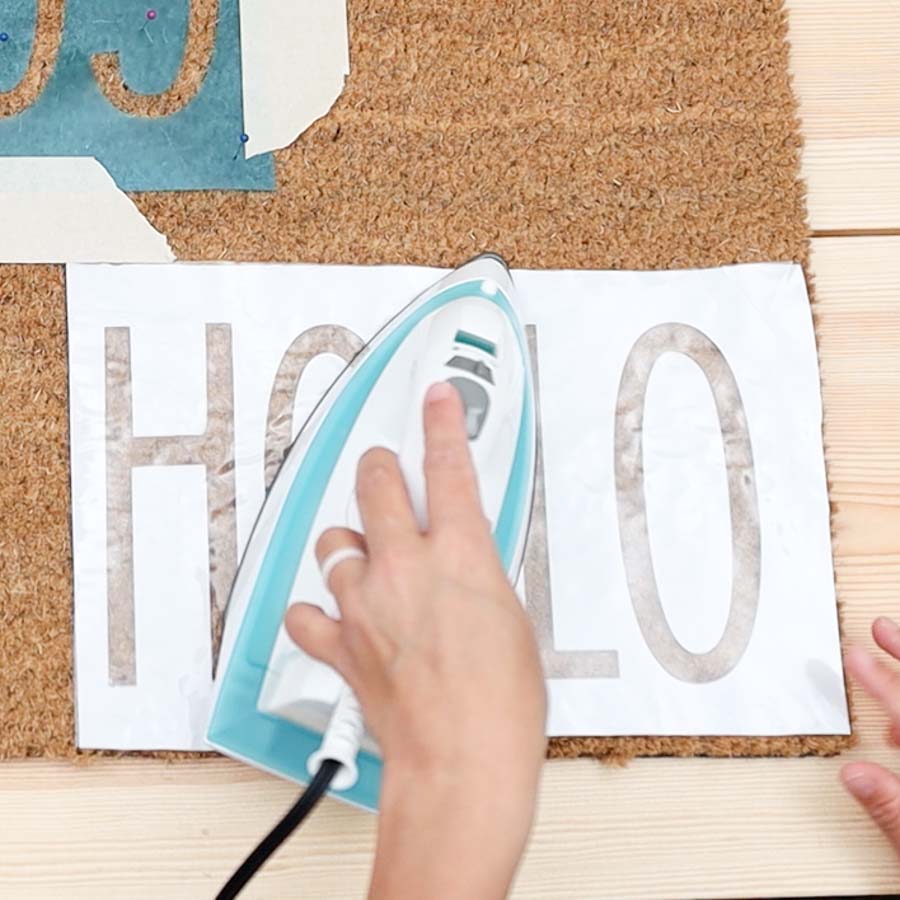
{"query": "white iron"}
pixel 273 703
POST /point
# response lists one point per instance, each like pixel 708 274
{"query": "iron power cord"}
pixel 276 837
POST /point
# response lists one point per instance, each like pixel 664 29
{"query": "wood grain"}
pixel 656 828
pixel 845 58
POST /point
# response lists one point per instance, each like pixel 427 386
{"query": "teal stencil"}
pixel 193 149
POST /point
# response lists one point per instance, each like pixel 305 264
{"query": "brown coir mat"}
pixel 560 133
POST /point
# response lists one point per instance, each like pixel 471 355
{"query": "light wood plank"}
pixel 657 828
pixel 846 64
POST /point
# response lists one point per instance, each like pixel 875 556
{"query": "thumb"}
pixel 314 632
pixel 878 792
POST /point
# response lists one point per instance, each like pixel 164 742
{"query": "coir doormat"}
pixel 559 133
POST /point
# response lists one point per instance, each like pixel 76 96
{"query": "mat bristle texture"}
pixel 559 133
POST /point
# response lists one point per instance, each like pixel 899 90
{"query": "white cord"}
pixel 341 741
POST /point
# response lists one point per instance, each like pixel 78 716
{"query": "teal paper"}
pixel 192 149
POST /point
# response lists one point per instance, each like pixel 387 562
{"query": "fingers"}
pixel 878 792
pixel 341 553
pixel 314 632
pixel 449 474
pixel 876 679
pixel 342 557
pixel 384 506
pixel 887 636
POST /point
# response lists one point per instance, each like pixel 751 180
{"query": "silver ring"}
pixel 336 557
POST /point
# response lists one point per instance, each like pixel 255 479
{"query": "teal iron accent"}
pixel 480 343
pixel 236 723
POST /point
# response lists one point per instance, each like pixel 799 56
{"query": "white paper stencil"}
pixel 172 371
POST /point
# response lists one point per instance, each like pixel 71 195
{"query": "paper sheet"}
pixel 295 57
pixel 60 209
pixel 195 350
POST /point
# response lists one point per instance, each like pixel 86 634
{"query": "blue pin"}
pixel 244 138
pixel 4 37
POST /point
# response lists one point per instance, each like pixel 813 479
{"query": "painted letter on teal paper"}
pixel 181 133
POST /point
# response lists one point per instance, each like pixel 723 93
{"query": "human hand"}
pixel 442 657
pixel 877 789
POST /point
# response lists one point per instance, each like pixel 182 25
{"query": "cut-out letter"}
pixel 47 35
pixel 214 449
pixel 335 339
pixel 538 598
pixel 199 43
pixel 632 509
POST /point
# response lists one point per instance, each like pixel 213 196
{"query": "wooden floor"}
pixel 658 828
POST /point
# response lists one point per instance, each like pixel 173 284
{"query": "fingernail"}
pixel 441 390
pixel 884 620
pixel 860 785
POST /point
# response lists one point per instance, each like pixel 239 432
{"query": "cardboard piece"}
pixel 295 59
pixel 69 209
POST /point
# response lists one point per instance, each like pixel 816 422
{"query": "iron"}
pixel 272 702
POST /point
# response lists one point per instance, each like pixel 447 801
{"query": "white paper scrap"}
pixel 68 209
pixel 740 635
pixel 294 59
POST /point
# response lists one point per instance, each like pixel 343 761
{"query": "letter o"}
pixel 632 510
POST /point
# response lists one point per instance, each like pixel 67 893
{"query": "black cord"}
pixel 274 839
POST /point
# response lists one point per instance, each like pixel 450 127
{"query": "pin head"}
pixel 244 137
pixel 4 37
pixel 151 15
